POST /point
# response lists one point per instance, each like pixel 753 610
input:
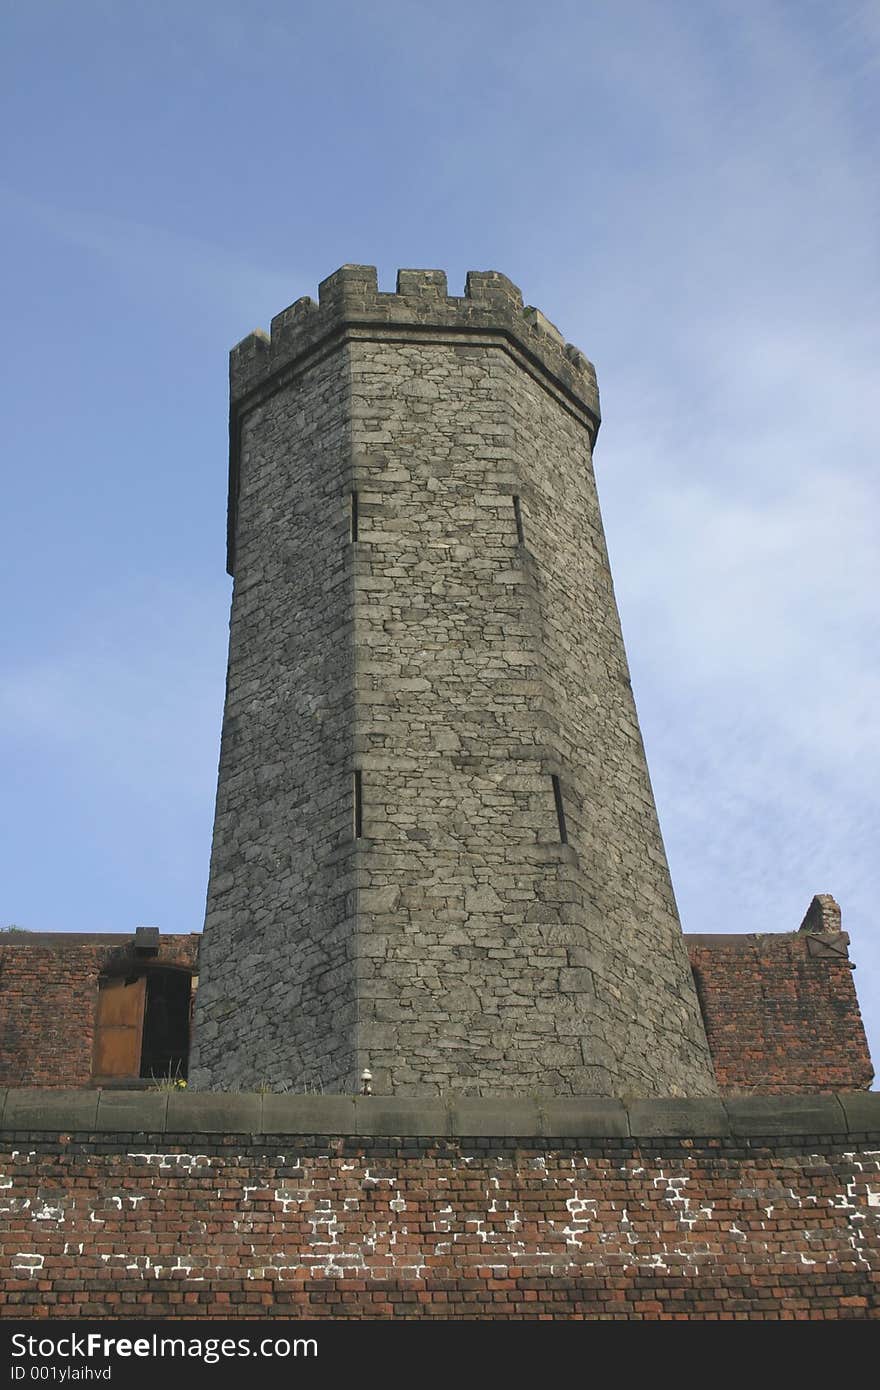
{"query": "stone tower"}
pixel 436 851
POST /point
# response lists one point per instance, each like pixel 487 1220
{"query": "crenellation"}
pixel 422 283
pixel 349 283
pixel 492 288
pixel 538 320
pixel 291 319
pixel 248 358
pixel 350 299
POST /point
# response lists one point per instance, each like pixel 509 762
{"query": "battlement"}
pixel 350 298
pixel 352 307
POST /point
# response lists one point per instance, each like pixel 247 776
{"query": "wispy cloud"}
pixel 154 259
pixel 737 466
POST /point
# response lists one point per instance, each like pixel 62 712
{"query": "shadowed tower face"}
pixel 436 852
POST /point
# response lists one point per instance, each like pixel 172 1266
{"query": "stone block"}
pixel 780 1115
pixel 378 900
pixel 409 1117
pixel 50 1110
pixel 505 1117
pixel 138 1111
pixel 583 1117
pixel 862 1110
pixel 674 1116
pixel 213 1112
pixel 576 982
pixel 309 1114
pixel 482 899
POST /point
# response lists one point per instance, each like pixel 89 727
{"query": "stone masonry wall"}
pixel 48 998
pixel 781 1011
pixel 277 1000
pixel 255 1206
pixel 620 929
pixel 462 658
pixel 494 957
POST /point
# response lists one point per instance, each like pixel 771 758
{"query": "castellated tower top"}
pixel 436 853
pixel 350 303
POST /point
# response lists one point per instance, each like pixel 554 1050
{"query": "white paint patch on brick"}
pixel 368 1178
pixel 289 1198
pixel 48 1212
pixel 15 1204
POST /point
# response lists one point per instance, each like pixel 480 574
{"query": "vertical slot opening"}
pixel 560 809
pixel 517 512
pixel 354 516
pixel 358 807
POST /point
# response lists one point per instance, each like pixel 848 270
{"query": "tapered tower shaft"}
pixel 436 851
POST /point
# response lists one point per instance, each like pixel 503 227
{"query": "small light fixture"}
pixel 366 1082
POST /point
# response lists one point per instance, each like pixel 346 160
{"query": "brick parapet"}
pixel 781 1010
pixel 779 1218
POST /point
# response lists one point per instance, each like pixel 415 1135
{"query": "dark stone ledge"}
pixel 501 1117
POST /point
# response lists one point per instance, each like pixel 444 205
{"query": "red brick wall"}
pixel 48 996
pixel 781 1012
pixel 352 1228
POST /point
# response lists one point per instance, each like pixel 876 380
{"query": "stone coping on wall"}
pixel 459 1117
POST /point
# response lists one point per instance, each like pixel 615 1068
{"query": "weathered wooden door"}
pixel 119 1028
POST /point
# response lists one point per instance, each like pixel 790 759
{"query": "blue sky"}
pixel 689 191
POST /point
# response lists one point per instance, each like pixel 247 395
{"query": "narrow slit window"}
pixel 517 512
pixel 560 809
pixel 354 516
pixel 358 807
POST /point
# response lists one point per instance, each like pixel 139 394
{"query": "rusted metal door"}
pixel 119 1028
